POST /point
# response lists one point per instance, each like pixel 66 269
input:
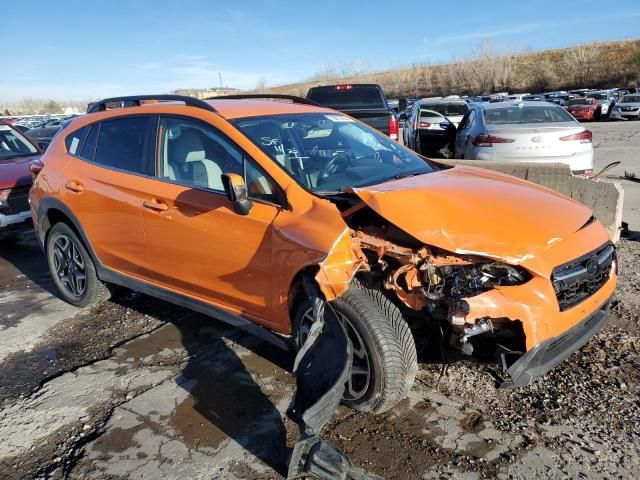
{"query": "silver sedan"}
pixel 524 132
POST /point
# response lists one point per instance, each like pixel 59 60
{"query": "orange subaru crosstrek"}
pixel 228 206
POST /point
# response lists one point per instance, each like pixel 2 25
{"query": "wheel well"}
pixel 54 215
pixel 295 289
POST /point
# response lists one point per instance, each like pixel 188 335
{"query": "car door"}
pixel 464 134
pixel 197 244
pixel 412 121
pixel 107 168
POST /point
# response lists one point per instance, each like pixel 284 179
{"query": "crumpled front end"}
pixel 487 307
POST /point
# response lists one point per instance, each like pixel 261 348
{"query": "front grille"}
pixel 17 198
pixel 629 109
pixel 577 280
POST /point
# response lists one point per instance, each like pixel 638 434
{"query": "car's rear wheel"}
pixel 72 268
pixel 384 353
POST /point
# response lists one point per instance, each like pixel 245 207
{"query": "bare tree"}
pixel 581 64
pixel 543 76
pixel 261 85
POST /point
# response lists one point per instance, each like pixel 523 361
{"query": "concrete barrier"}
pixel 603 197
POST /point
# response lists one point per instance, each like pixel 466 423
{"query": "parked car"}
pixel 584 109
pixel 430 126
pixel 21 128
pixel 43 135
pixel 628 108
pixel 605 99
pixel 16 153
pixel 534 98
pixel 579 92
pixel 517 96
pixel 481 99
pixel 525 132
pixel 249 211
pixel 366 102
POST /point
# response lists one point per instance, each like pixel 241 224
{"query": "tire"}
pixel 68 262
pixel 376 327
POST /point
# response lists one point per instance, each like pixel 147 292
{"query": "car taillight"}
pixel 425 124
pixel 489 140
pixel 584 137
pixel 35 166
pixel 343 87
pixel 393 127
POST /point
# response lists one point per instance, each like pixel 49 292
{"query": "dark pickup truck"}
pixel 366 102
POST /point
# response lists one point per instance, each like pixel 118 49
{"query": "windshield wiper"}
pixel 405 175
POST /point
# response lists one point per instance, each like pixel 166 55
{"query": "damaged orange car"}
pixel 228 206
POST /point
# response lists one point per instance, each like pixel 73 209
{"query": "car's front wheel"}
pixel 72 268
pixel 384 353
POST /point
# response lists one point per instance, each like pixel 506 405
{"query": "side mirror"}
pixel 236 191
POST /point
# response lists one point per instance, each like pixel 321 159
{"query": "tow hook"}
pixel 322 367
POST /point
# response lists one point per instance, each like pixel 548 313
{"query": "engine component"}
pixel 483 326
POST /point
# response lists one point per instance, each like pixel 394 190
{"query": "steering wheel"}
pixel 333 165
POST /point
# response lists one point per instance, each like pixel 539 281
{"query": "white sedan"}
pixel 524 132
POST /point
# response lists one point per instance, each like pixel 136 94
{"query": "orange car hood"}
pixel 476 211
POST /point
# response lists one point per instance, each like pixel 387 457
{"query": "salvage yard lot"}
pixel 138 388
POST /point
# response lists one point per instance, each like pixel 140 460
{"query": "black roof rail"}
pixel 249 96
pixel 136 100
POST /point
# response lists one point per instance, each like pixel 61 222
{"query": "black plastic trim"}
pixel 545 356
pixel 256 96
pixel 101 105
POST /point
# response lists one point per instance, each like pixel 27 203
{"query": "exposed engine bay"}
pixel 432 285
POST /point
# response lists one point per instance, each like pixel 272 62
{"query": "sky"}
pixel 82 50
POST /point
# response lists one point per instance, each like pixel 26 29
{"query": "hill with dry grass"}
pixel 488 70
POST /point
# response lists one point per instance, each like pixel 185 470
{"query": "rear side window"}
pixel 447 109
pixel 121 144
pixel 74 140
pixel 89 147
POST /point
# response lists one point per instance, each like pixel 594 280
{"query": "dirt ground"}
pixel 138 388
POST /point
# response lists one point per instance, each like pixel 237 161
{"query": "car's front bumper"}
pixel 620 115
pixel 15 221
pixel 546 355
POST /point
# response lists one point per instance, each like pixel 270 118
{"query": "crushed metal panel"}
pixel 321 368
pixel 340 265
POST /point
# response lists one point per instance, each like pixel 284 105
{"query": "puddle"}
pixel 168 337
pixel 117 440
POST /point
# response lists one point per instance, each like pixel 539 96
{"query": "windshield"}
pixel 329 153
pixel 347 96
pixel 630 99
pixel 529 114
pixel 447 109
pixel 597 96
pixel 579 101
pixel 13 144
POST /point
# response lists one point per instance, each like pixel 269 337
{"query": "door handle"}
pixel 74 186
pixel 155 205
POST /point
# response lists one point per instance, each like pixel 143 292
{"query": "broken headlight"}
pixel 496 274
pixel 466 280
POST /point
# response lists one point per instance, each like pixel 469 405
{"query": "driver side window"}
pixel 467 120
pixel 195 154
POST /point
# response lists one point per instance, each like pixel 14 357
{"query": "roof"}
pixel 254 108
pixel 435 101
pixel 526 103
pixel 230 109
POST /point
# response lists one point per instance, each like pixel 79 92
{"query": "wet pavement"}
pixel 138 388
